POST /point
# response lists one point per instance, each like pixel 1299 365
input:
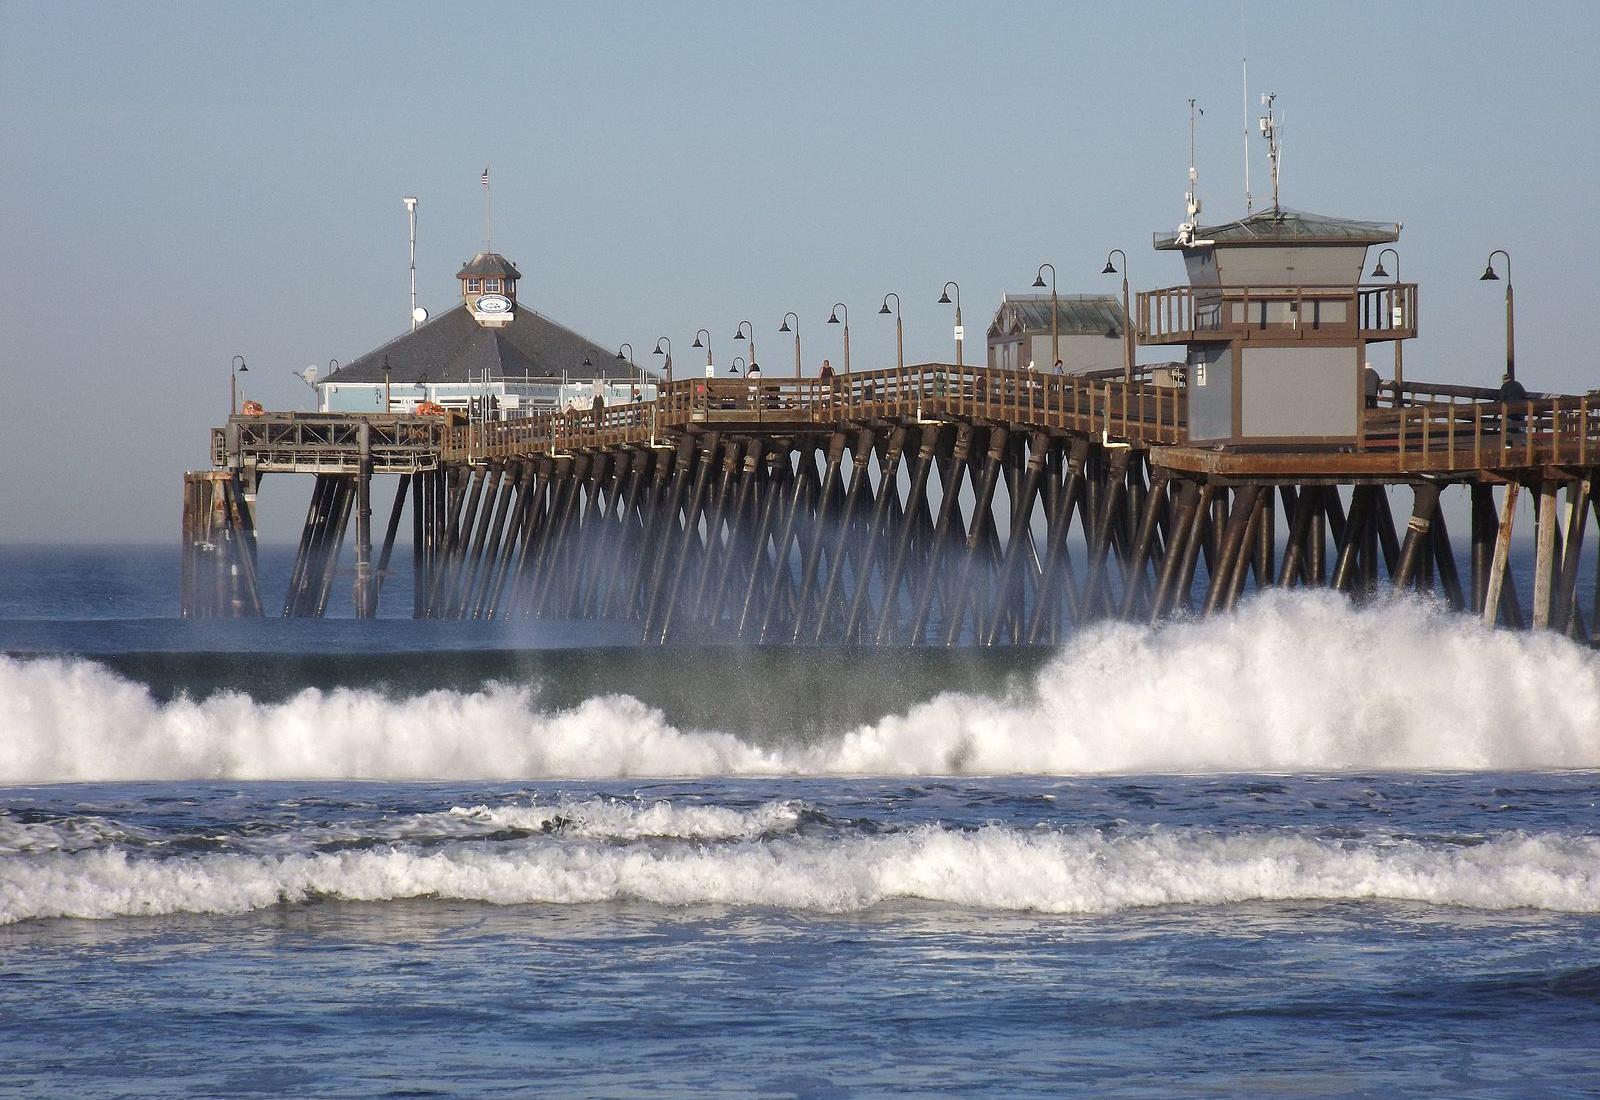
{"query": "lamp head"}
pixel 1378 272
pixel 1110 268
pixel 944 299
pixel 1038 280
pixel 658 350
pixel 697 343
pixel 885 307
pixel 1488 275
pixel 833 317
pixel 785 326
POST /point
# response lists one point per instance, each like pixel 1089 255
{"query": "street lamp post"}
pixel 1127 321
pixel 899 336
pixel 785 328
pixel 833 319
pixel 899 329
pixel 711 372
pixel 235 369
pixel 388 404
pixel 667 366
pixel 734 369
pixel 638 375
pixel 944 300
pixel 1511 343
pixel 1055 310
pixel 747 332
pixel 1399 366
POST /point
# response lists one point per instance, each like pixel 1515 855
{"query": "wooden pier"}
pixel 925 505
pixel 942 504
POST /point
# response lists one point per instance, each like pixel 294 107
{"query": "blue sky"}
pixel 183 183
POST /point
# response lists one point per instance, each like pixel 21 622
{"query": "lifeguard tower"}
pixel 1277 321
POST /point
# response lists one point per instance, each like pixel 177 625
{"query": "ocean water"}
pixel 1304 850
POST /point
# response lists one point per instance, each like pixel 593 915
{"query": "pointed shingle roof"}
pixel 490 264
pixel 452 347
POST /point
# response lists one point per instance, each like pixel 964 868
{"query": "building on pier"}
pixel 488 356
pixel 1088 328
pixel 1277 325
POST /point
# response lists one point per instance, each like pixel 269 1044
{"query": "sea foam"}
pixel 1293 681
pixel 1080 871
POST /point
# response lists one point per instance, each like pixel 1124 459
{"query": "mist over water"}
pixel 1292 682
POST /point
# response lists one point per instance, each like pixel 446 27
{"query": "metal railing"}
pixel 1180 314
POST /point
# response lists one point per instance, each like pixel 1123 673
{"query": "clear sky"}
pixel 183 183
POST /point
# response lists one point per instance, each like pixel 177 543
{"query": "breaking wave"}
pixel 1080 871
pixel 1292 682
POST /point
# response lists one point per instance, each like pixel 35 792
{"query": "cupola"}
pixel 489 287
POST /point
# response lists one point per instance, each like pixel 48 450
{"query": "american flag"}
pixel 486 175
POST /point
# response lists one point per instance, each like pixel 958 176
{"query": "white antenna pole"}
pixel 411 219
pixel 486 234
pixel 1244 68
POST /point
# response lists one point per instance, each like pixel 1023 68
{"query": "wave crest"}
pixel 1292 682
pixel 991 868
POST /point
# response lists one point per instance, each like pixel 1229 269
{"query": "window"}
pixel 474 286
pixel 491 286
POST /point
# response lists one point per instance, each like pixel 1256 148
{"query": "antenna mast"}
pixel 411 219
pixel 1244 102
pixel 486 235
pixel 1191 199
pixel 1272 130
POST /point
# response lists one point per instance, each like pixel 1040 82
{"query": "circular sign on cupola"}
pixel 492 310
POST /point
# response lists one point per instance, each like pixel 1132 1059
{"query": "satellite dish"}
pixel 419 315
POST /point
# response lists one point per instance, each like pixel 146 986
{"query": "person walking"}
pixel 598 404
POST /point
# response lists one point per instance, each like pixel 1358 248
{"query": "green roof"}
pixel 1076 314
pixel 1284 226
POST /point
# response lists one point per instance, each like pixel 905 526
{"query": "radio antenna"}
pixel 411 219
pixel 1272 130
pixel 1191 197
pixel 487 247
pixel 1244 102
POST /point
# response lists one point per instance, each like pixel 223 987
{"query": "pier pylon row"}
pixel 950 532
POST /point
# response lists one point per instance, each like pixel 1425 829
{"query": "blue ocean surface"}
pixel 1310 849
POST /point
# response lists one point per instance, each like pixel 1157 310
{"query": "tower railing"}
pixel 1188 314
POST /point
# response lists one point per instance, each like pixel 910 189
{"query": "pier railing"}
pixel 297 442
pixel 1439 429
pixel 1184 314
pixel 1453 434
pixel 1141 413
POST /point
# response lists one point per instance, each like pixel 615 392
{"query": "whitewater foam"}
pixel 1292 682
pixel 989 868
pixel 611 819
